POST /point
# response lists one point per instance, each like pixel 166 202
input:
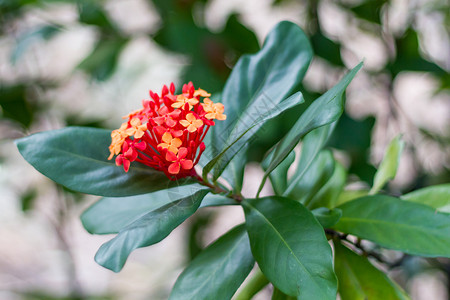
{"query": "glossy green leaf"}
pixel 76 157
pixel 149 229
pixel 111 214
pixel 436 196
pixel 315 177
pixel 279 176
pixel 360 280
pixel 259 82
pixel 244 132
pixel 217 200
pixel 311 146
pixel 396 224
pixel 327 217
pixel 219 270
pixel 329 193
pixel 290 247
pixel 325 110
pixel 388 166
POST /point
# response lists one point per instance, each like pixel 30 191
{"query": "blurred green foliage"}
pixel 211 56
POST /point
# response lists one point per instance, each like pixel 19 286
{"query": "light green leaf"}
pixel 76 157
pixel 360 280
pixel 396 224
pixel 327 217
pixel 325 110
pixel 218 271
pixel 111 214
pixel 388 166
pixel 290 247
pixel 349 195
pixel 436 196
pixel 147 230
pixel 259 82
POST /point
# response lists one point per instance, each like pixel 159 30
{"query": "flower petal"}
pixel 187 164
pixel 174 168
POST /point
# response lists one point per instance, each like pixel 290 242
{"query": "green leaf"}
pixel 290 247
pixel 360 280
pixel 325 110
pixel 259 82
pixel 317 174
pixel 111 214
pixel 388 166
pixel 217 200
pixel 147 230
pixel 349 195
pixel 437 196
pixel 311 145
pixel 219 270
pixel 396 224
pixel 328 195
pixel 278 177
pixel 327 217
pixel 244 132
pixel 76 157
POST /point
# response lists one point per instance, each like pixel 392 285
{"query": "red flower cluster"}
pixel 167 133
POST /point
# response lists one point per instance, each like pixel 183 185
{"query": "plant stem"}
pixel 256 283
pixel 215 189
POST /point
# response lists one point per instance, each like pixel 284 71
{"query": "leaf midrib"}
pixel 286 244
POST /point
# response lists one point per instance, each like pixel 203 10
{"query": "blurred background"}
pixel 88 63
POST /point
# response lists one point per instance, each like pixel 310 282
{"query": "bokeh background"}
pixel 88 63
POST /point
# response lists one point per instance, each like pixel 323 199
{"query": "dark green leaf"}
pixel 317 174
pixel 219 270
pixel 327 217
pixel 388 166
pixel 147 230
pixel 111 214
pixel 278 177
pixel 359 279
pixel 396 224
pixel 244 132
pixel 311 145
pixel 217 200
pixel 436 196
pixel 290 247
pixel 76 157
pixel 322 111
pixel 261 81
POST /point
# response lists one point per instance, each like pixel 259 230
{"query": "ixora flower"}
pixel 167 133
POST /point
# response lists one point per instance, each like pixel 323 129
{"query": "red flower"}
pixel 167 133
